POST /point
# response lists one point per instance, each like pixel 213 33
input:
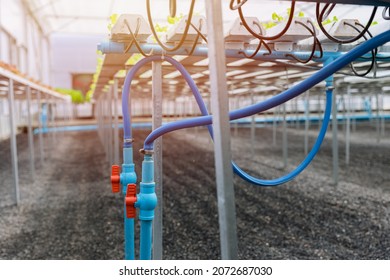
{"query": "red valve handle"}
pixel 131 198
pixel 115 178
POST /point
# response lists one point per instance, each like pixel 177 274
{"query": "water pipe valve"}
pixel 130 200
pixel 115 178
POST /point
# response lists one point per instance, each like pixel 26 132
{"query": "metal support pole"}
pixel 274 122
pixel 221 127
pixel 348 127
pixel 377 122
pixel 297 125
pixel 383 117
pixel 307 122
pixel 285 148
pixel 253 127
pixel 158 168
pixel 335 150
pixel 236 123
pixel 40 135
pixel 319 112
pixel 110 130
pixel 14 152
pixel 116 123
pixel 30 134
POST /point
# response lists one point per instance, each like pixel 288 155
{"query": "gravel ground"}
pixel 68 212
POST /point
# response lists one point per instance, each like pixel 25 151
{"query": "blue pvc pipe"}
pixel 129 237
pixel 115 47
pixel 146 202
pixel 146 240
pixel 276 100
pixel 128 176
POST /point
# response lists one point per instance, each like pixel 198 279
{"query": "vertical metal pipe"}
pixel 158 168
pixel 110 130
pixel 335 149
pixel 319 112
pixel 30 134
pixel 253 127
pixel 236 123
pixel 116 123
pixel 221 127
pixel 285 147
pixel 307 121
pixel 383 113
pixel 297 125
pixel 14 152
pixel 348 127
pixel 377 122
pixel 40 135
pixel 274 121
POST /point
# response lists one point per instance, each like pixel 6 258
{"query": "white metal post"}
pixel 109 130
pixel 116 123
pixel 335 148
pixel 14 152
pixel 285 148
pixel 253 127
pixel 307 116
pixel 40 135
pixel 348 127
pixel 221 127
pixel 158 167
pixel 30 133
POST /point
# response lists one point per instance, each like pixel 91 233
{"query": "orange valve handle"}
pixel 130 200
pixel 115 178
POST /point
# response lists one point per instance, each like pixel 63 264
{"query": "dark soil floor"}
pixel 69 212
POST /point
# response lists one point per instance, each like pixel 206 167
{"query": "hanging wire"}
pixel 316 43
pixel 326 11
pixel 259 36
pixel 199 31
pixel 373 52
pixel 386 13
pixel 134 40
pixel 239 5
pixel 185 33
pixel 261 43
pixel 135 34
pixel 172 8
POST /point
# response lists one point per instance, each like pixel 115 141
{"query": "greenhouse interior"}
pixel 195 130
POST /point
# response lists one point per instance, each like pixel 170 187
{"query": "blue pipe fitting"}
pixel 147 198
pixel 128 175
pixel 146 202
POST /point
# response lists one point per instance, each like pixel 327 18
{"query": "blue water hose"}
pixel 322 74
pixel 279 99
pixel 127 133
pixel 304 163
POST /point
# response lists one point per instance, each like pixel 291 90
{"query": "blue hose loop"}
pixel 126 93
pixel 304 163
pixel 279 99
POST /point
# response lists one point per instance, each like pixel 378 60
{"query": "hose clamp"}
pixel 128 141
pixel 146 152
pixel 329 88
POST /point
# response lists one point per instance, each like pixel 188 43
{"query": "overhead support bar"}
pixel 301 52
